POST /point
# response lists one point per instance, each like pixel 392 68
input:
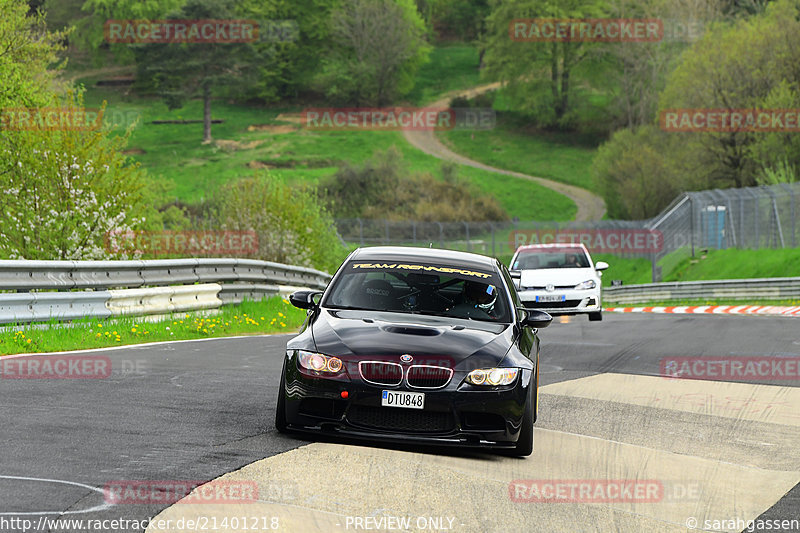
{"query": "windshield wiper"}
pixel 349 308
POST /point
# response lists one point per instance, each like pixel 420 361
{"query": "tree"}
pixel 641 68
pixel 538 75
pixel 64 191
pixel 61 189
pixel 294 61
pixel 637 173
pixel 462 19
pixel 750 63
pixel 91 27
pixel 377 46
pixel 26 52
pixel 181 71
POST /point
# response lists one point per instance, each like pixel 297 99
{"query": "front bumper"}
pixel 573 301
pixel 456 415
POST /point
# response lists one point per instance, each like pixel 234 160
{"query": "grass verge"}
pixel 452 67
pixel 273 315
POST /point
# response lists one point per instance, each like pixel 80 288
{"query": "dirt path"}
pixel 590 206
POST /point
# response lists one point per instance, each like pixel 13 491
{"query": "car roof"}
pixel 406 253
pixel 552 246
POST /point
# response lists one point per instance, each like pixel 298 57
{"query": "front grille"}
pixel 428 377
pixel 381 373
pixel 398 419
pixel 551 305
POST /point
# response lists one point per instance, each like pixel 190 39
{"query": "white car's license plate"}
pixel 410 400
pixel 551 298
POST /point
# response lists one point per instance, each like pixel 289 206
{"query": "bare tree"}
pixel 377 47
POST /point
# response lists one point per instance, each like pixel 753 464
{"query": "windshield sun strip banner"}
pixel 423 268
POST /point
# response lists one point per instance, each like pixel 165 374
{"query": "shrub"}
pixel 382 188
pixel 291 225
pixel 63 191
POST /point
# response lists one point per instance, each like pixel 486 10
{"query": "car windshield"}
pixel 552 258
pixel 420 289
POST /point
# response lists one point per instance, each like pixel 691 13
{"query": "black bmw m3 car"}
pixel 415 345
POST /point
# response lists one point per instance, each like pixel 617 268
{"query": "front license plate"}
pixel 410 400
pixel 551 298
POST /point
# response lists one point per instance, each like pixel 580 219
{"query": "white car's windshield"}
pixel 555 258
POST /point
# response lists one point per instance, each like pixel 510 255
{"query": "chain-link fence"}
pixel 754 217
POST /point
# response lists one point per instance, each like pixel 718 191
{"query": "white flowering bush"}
pixel 63 192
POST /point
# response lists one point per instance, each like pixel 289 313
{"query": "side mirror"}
pixel 536 319
pixel 304 299
pixel 515 274
pixel 600 265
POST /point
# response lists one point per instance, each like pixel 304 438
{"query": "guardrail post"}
pixel 743 245
pixel 757 214
pixel 466 225
pixel 691 222
pixel 491 225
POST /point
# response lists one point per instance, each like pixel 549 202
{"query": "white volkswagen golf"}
pixel 559 278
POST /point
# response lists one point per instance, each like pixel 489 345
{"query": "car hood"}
pixel 556 276
pixel 386 335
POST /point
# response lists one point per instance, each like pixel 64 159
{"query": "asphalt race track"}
pixel 721 453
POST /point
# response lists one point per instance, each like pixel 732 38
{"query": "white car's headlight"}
pixel 319 362
pixel 492 376
pixel 588 284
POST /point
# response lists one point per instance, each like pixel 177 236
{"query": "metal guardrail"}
pixel 67 275
pixel 731 289
pixel 68 290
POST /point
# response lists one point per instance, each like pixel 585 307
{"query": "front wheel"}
pixel 596 317
pixel 280 408
pixel 524 445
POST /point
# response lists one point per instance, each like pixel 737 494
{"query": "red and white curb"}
pixel 762 310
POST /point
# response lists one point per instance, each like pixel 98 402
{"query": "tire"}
pixel 596 317
pixel 524 445
pixel 280 408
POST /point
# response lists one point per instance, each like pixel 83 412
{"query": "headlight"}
pixel 319 362
pixel 493 376
pixel 588 284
